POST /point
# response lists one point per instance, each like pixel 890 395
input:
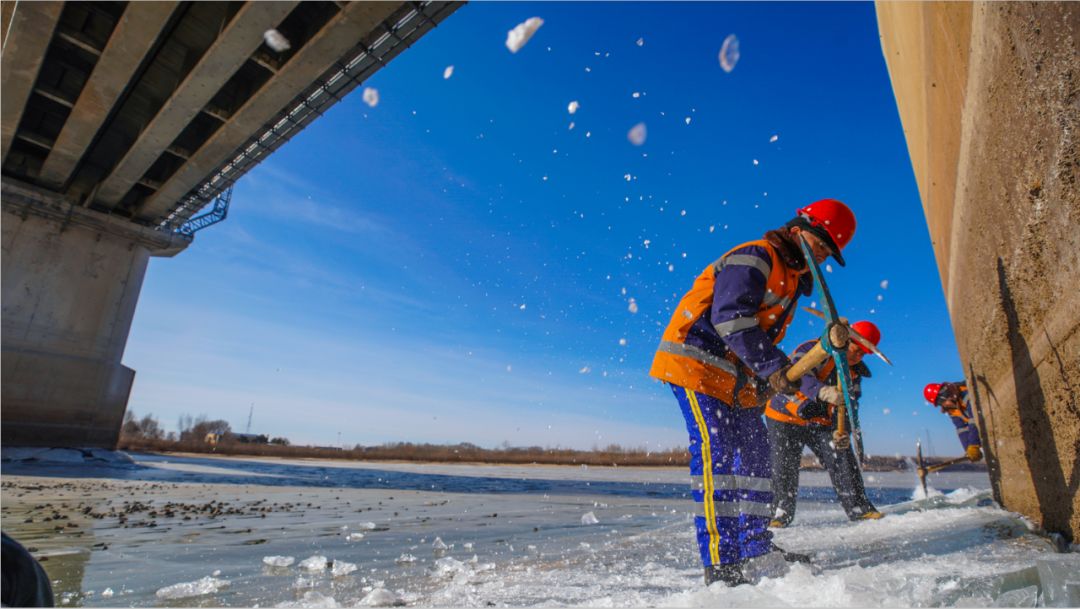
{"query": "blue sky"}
pixel 457 263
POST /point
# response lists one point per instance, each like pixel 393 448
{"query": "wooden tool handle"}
pixel 808 362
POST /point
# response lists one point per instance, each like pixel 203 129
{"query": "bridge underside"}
pixel 120 121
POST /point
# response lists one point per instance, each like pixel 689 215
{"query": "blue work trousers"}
pixel 731 477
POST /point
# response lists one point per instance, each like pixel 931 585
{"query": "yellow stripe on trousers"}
pixel 707 474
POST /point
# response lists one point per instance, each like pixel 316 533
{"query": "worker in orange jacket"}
pixel 952 399
pixel 797 421
pixel 720 357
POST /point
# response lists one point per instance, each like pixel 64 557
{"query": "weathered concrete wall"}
pixel 70 281
pixel 989 96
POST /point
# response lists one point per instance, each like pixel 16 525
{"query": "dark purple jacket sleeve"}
pixel 737 295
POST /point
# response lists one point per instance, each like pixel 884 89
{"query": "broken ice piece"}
pixel 522 32
pixel 729 53
pixel 276 41
pixel 371 96
pixel 637 134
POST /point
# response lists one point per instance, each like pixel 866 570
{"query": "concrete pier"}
pixel 988 96
pixel 71 280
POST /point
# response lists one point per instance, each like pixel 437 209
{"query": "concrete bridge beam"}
pixel 233 47
pixel 355 21
pixel 71 279
pixel 25 40
pixel 135 34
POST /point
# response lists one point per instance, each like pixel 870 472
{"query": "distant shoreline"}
pixel 474 455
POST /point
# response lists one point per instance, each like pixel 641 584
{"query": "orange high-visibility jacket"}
pixel 722 337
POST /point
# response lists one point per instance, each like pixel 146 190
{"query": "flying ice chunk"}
pixel 517 37
pixel 314 563
pixel 637 134
pixel 886 410
pixel 828 269
pixel 206 585
pixel 755 162
pixel 884 284
pixel 342 568
pixel 573 106
pixel 641 42
pixel 371 96
pixel 276 40
pixel 107 593
pixel 448 72
pixel 584 370
pixel 622 342
pixel 380 597
pixel 688 120
pixel 729 53
pixel 589 518
pixel 773 139
pixel 278 561
pixel 633 308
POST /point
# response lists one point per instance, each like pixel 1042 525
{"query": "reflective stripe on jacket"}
pixel 801 410
pixel 722 337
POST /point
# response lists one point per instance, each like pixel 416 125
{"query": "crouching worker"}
pixel 952 399
pixel 796 421
pixel 720 358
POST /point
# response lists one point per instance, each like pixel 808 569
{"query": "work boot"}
pixel 731 575
pixel 776 523
pixel 791 556
pixel 871 515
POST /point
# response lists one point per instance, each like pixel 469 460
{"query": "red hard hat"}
pixel 930 392
pixel 835 219
pixel 869 331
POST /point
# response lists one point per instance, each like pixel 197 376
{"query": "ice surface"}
pixel 313 600
pixel 314 563
pixel 729 53
pixel 278 561
pixel 1059 577
pixel 637 134
pixel 522 32
pixel 276 40
pixel 206 585
pixel 1023 597
pixel 371 96
pixel 341 568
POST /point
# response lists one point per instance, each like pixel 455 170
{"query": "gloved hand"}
pixel 779 382
pixel 974 453
pixel 830 394
pixel 842 441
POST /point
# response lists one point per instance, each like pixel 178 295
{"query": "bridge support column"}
pixel 71 279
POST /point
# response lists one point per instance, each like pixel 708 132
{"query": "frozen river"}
pixel 199 531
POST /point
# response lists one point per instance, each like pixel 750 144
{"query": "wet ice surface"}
pixel 478 534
